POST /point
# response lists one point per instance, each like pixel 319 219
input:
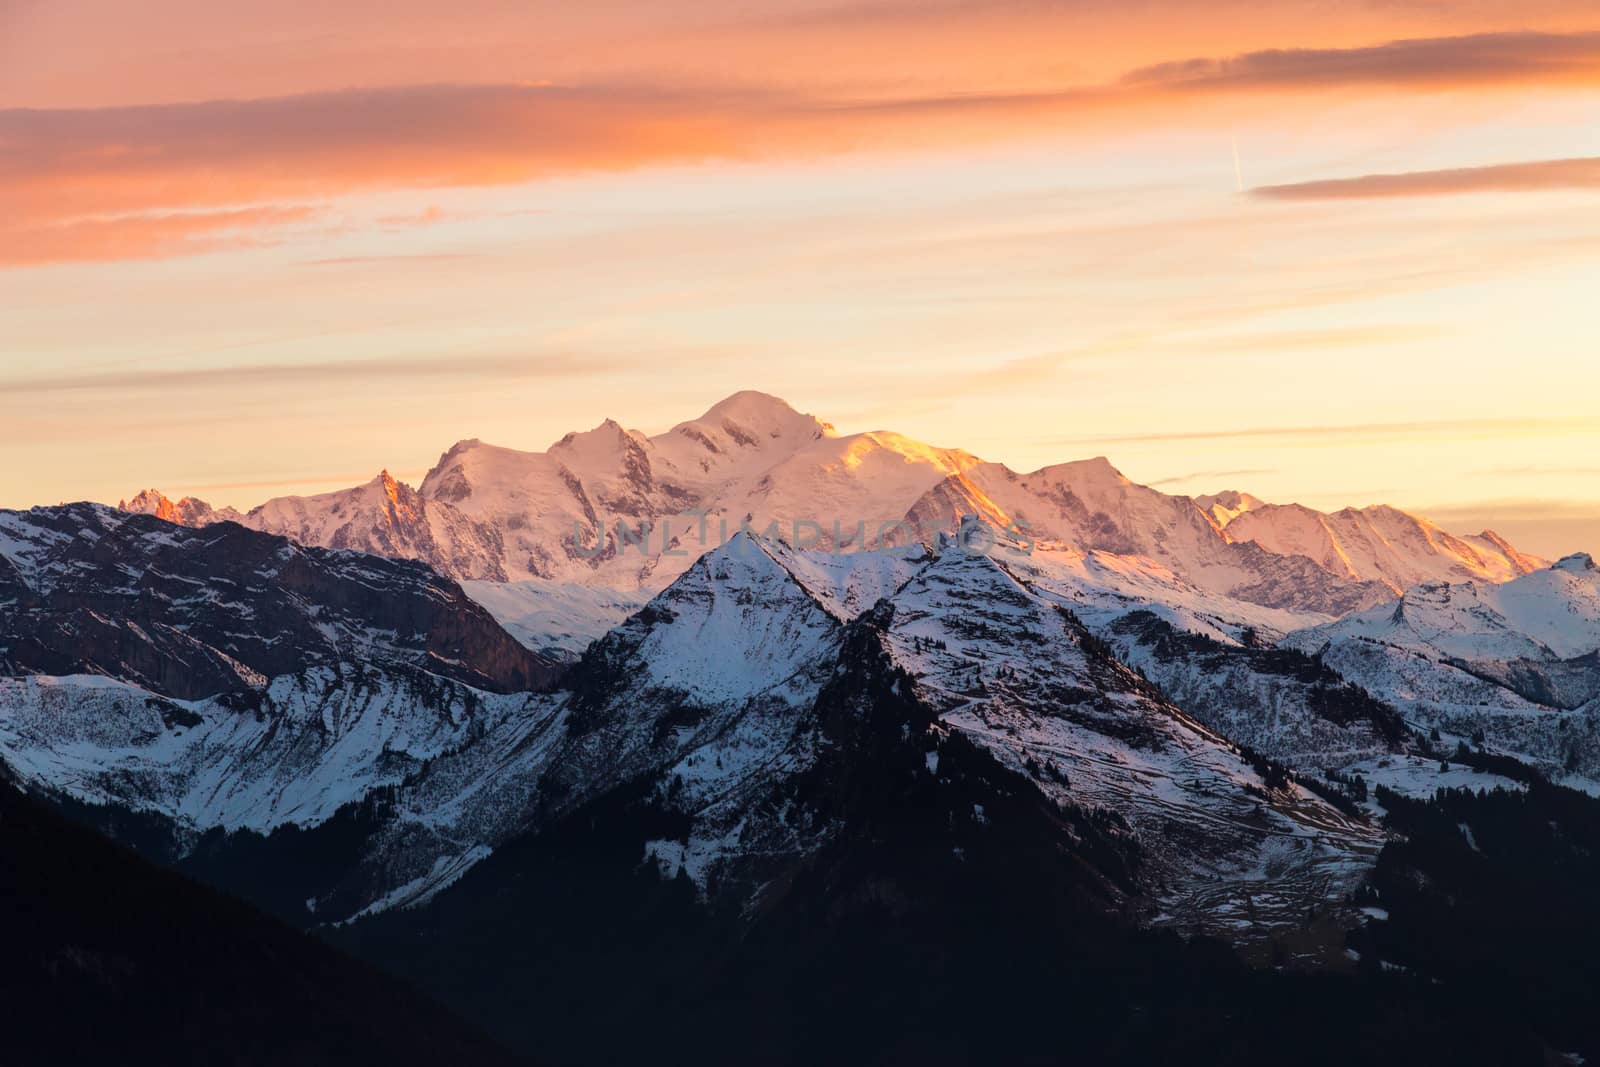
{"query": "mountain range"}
pixel 752 462
pixel 957 742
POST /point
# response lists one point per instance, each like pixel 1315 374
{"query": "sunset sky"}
pixel 1325 251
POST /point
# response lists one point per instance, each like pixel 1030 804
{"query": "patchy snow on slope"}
pixel 558 617
pixel 1008 670
pixel 314 743
pixel 1420 778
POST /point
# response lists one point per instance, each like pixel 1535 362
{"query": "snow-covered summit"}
pixel 749 418
pixel 751 460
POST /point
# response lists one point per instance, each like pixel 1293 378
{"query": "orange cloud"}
pixel 177 177
pixel 1538 176
pixel 1474 60
pixel 141 236
pixel 96 52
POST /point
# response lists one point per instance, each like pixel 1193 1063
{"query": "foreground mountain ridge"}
pixel 715 692
pixel 496 514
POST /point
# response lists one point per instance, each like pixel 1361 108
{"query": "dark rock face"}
pixel 190 613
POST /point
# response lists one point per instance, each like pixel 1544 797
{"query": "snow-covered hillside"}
pixel 1549 615
pixel 1515 664
pixel 728 692
pixel 227 678
pixel 560 619
pixel 295 751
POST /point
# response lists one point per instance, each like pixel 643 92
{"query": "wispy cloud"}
pixel 1374 431
pixel 1542 471
pixel 456 368
pixel 1431 62
pixel 1538 176
pixel 1311 340
pixel 1210 476
pixel 397 257
pixel 154 235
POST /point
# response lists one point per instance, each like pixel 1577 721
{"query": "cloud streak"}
pixel 1195 476
pixel 1552 175
pixel 1429 63
pixel 1375 431
pixel 449 369
pixel 155 235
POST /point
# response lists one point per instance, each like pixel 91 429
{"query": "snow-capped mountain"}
pixel 614 507
pixel 1549 615
pixel 750 461
pixel 642 616
pixel 386 518
pixel 1377 544
pixel 1090 505
pixel 617 509
pixel 1516 663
